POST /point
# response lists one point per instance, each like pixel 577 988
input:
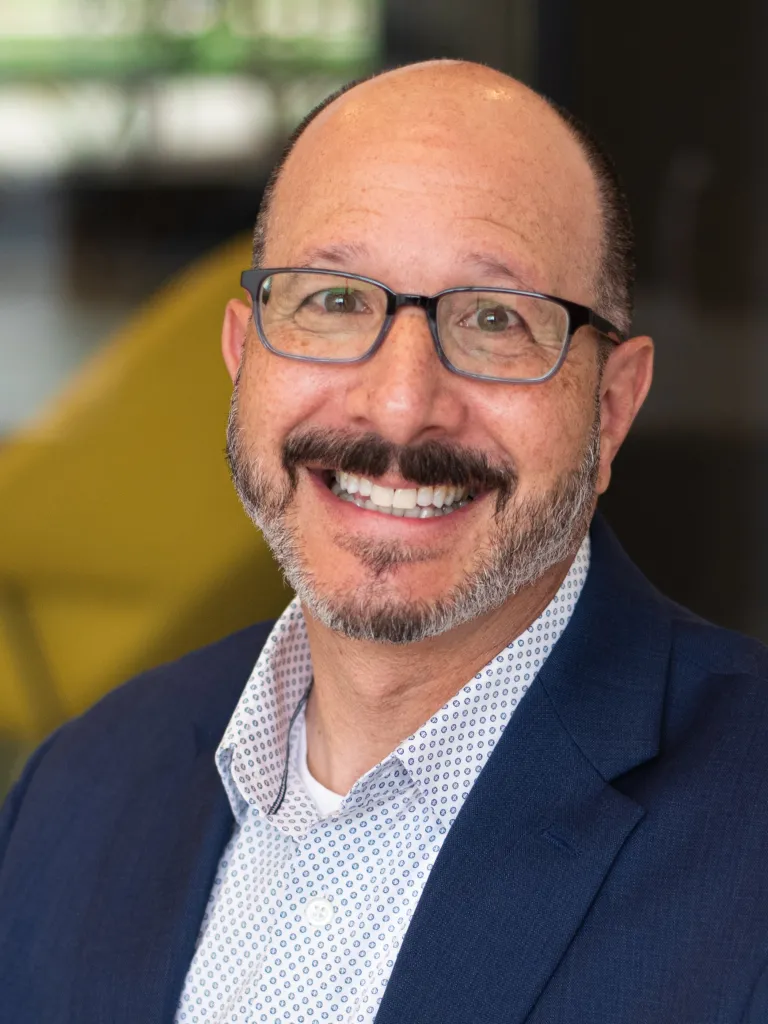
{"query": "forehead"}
pixel 421 177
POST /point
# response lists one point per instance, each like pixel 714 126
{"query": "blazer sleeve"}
pixel 12 805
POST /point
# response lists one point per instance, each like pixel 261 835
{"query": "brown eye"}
pixel 493 318
pixel 339 302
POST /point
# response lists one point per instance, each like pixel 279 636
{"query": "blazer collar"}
pixel 606 677
pixel 542 826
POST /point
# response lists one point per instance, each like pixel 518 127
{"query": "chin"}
pixel 399 605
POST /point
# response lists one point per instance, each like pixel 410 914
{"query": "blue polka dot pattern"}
pixel 306 915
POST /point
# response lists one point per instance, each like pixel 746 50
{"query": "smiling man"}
pixel 480 770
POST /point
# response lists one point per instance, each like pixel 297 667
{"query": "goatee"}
pixel 528 537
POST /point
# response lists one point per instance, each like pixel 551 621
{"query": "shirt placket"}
pixel 351 845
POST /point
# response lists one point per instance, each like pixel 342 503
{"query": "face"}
pixel 402 182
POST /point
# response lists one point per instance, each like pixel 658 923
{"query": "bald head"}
pixel 452 131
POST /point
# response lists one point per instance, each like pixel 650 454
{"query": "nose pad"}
pixel 420 301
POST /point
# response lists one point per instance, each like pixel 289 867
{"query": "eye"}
pixel 337 300
pixel 493 319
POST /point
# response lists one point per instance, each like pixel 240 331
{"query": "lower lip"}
pixel 383 521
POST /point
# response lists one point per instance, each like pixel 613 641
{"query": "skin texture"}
pixel 422 178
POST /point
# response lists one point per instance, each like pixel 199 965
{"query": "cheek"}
pixel 544 429
pixel 276 395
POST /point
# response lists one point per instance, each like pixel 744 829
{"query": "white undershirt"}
pixel 326 801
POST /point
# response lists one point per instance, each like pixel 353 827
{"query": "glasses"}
pixel 496 334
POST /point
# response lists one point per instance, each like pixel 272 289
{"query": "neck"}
pixel 368 697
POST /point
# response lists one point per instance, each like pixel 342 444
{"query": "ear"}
pixel 627 376
pixel 237 317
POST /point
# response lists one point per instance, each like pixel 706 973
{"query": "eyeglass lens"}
pixel 484 332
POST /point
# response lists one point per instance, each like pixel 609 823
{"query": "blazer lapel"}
pixel 150 895
pixel 542 826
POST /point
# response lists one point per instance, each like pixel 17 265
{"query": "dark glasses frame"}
pixel 578 316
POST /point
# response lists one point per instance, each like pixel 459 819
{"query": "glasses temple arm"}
pixel 606 328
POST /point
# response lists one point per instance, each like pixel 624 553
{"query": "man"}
pixel 481 770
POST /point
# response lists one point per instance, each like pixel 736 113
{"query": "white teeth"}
pixel 405 497
pixel 406 502
pixel 383 496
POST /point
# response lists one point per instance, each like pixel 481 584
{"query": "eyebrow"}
pixel 497 268
pixel 342 254
pixel 333 255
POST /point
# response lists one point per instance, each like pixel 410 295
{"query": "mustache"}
pixel 426 465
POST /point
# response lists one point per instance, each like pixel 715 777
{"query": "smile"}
pixel 408 502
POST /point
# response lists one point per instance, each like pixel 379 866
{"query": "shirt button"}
pixel 318 911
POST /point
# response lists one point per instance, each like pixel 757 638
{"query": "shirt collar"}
pixel 252 756
pixel 441 759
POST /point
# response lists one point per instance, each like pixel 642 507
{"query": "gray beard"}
pixel 529 537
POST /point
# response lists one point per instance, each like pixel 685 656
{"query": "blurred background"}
pixel 135 140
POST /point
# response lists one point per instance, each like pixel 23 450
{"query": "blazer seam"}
pixel 15 798
pixel 570 735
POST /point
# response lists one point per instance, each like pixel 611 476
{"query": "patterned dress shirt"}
pixel 307 912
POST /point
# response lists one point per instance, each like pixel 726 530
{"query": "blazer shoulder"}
pixel 717 688
pixel 717 650
pixel 146 717
pixel 200 688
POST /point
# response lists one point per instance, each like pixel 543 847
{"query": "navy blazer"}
pixel 609 866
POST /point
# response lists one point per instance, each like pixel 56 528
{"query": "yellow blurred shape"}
pixel 122 543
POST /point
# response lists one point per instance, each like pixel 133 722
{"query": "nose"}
pixel 403 392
